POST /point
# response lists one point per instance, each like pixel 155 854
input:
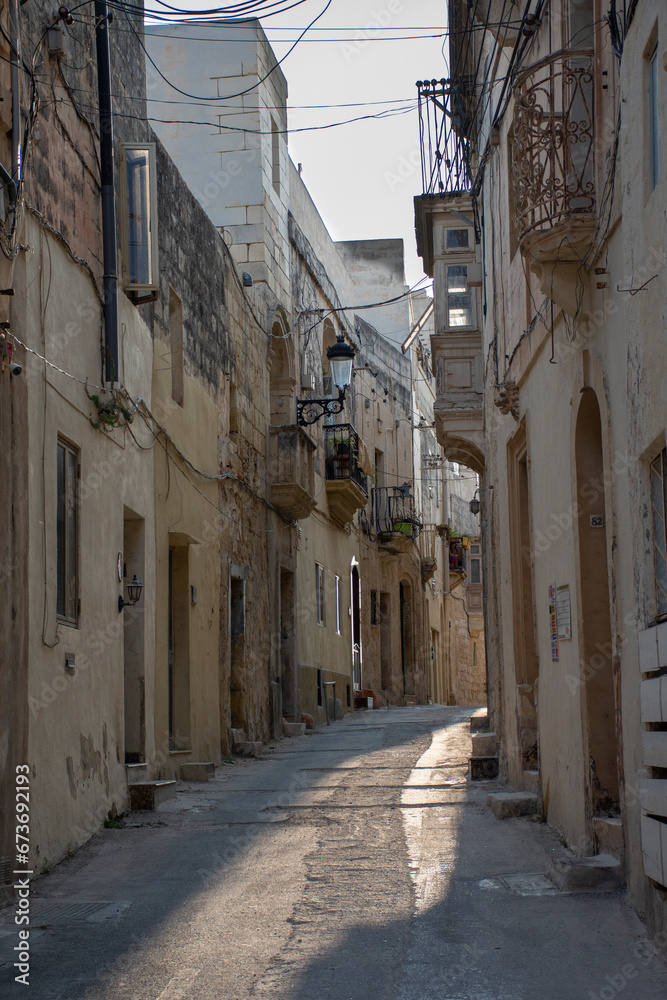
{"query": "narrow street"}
pixel 356 863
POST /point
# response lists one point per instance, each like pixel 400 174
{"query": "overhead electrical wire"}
pixel 389 113
pixel 240 93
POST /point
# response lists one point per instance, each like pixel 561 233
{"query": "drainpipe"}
pixel 110 278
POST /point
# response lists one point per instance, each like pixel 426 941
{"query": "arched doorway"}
pixel 600 744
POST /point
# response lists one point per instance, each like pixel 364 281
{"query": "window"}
pixel 67 533
pixel 275 157
pixel 582 24
pixel 475 571
pixel 459 299
pixel 654 119
pixel 138 217
pixel 659 506
pixel 338 605
pixel 319 592
pixel 176 343
pixel 375 617
pixel 457 239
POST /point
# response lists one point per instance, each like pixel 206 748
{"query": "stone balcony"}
pixel 346 482
pixel 553 167
pixel 291 471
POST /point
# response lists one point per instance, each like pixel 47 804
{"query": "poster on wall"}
pixel 564 612
pixel 552 622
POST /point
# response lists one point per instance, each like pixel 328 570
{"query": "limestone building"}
pixel 542 221
pixel 188 562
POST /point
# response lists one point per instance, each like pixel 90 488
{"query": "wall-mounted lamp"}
pixel 134 589
pixel 341 355
pixel 475 505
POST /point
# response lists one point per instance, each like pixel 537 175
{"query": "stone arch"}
pixel 466 452
pixel 282 378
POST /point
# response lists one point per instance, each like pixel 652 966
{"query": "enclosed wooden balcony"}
pixel 291 471
pixel 553 163
pixel 346 480
pixel 429 540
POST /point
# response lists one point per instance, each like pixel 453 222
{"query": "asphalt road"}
pixel 357 863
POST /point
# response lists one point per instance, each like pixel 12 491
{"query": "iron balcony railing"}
pixel 553 142
pixel 428 542
pixel 393 510
pixel 445 157
pixel 341 455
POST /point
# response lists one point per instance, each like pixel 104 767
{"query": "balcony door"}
pixel 355 603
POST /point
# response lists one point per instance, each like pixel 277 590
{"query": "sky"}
pixel 361 176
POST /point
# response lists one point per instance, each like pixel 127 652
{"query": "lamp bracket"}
pixel 309 411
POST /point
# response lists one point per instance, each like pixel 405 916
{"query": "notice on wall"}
pixel 553 622
pixel 564 612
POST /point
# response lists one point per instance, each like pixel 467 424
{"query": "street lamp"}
pixel 475 505
pixel 134 589
pixel 340 355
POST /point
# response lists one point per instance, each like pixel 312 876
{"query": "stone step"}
pixel 479 720
pixel 293 729
pixel 149 794
pixel 483 768
pixel 531 782
pixel 198 771
pixel 601 873
pixel 248 748
pixel 136 772
pixel 505 805
pixel 484 744
pixel 609 835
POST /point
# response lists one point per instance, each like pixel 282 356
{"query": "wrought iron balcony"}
pixel 553 169
pixel 393 512
pixel 445 153
pixel 346 482
pixel 291 471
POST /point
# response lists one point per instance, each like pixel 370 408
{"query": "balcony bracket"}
pixel 563 282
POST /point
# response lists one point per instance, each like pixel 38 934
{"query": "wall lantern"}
pixel 475 505
pixel 134 589
pixel 341 355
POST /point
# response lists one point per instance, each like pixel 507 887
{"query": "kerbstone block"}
pixel 293 729
pixel 505 805
pixel 600 873
pixel 484 744
pixel 198 771
pixel 483 768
